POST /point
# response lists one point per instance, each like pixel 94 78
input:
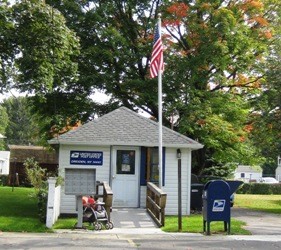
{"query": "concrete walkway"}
pixel 137 221
pixel 134 220
pixel 126 221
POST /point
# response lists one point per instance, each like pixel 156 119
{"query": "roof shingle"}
pixel 124 127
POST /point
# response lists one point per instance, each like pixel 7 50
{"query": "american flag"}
pixel 156 62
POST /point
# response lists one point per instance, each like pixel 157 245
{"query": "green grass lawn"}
pixel 194 224
pixel 18 211
pixel 265 203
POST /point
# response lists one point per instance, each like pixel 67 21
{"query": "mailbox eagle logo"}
pixel 75 155
pixel 218 205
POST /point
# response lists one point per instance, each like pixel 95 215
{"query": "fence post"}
pixel 51 202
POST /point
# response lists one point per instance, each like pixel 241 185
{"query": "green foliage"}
pixel 225 171
pixel 49 49
pixel 42 204
pixel 7 48
pixel 21 128
pixel 4 180
pixel 35 174
pixel 37 177
pixel 259 188
pixel 217 69
pixel 4 119
pixel 43 59
pixel 266 118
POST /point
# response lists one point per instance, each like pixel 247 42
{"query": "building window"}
pixel 152 170
pixel 149 165
pixel 242 175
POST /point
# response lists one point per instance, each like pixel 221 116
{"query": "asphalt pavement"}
pixel 258 223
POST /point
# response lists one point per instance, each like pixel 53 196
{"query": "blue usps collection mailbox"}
pixel 216 204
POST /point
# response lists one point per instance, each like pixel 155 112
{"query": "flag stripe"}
pixel 156 61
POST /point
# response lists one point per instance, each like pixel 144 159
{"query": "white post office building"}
pixel 122 148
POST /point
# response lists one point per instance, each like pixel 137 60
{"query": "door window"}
pixel 125 162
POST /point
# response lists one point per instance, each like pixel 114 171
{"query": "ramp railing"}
pixel 156 203
pixel 106 195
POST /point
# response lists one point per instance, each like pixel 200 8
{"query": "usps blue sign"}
pixel 218 205
pixel 94 158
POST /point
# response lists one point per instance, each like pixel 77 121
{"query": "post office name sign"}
pixel 94 158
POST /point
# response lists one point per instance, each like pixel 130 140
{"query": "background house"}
pixel 47 159
pixel 248 173
pixel 4 162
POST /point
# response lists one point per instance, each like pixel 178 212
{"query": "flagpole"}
pixel 160 114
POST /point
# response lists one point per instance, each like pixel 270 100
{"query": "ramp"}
pixel 132 218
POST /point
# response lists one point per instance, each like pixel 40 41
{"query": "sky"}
pixel 97 97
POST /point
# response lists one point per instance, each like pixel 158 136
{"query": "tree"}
pixel 214 64
pixel 7 46
pixel 218 49
pixel 266 115
pixel 44 55
pixel 3 125
pixel 21 128
pixel 115 38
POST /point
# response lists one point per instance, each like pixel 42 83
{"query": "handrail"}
pixel 156 203
pixel 107 196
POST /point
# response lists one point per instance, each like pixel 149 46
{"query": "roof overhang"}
pixel 193 146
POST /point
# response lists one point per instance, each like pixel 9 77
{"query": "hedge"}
pixel 259 188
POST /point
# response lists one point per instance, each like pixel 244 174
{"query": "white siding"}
pixel 248 176
pixel 4 162
pixel 171 181
pixel 68 202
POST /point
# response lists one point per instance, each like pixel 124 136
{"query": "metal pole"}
pixel 179 197
pixel 79 212
pixel 160 114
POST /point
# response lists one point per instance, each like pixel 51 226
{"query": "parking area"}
pixel 258 223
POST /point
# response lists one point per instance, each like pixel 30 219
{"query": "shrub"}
pixel 42 196
pixel 4 180
pixel 38 179
pixel 35 174
pixel 259 188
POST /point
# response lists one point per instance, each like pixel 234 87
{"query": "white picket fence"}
pixel 53 204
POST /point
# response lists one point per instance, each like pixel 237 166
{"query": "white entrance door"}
pixel 125 176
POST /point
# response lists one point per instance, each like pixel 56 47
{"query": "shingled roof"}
pixel 124 127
